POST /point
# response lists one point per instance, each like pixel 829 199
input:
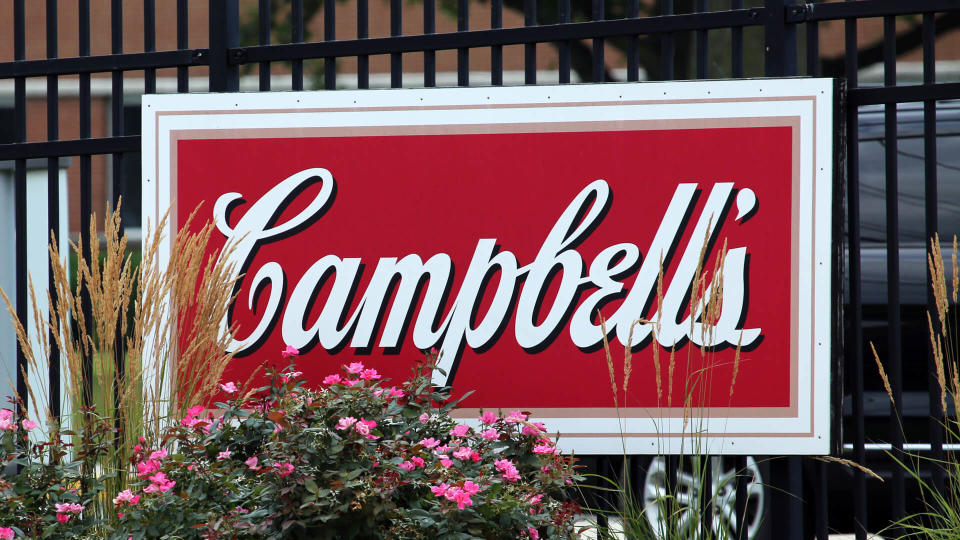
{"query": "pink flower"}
pixel 490 434
pixel 536 428
pixel 195 410
pixel 28 425
pixel 545 449
pixel 285 469
pixel 407 466
pixel 126 497
pixel 351 382
pixel 508 469
pixel 364 427
pixel 429 443
pixel 145 468
pixel 224 455
pixel 355 367
pixel 331 379
pixel 6 420
pixel 158 454
pixel 424 418
pixel 395 392
pixel 470 488
pixel 252 463
pixel 465 452
pixel 439 491
pixel 516 416
pixel 230 387
pixel 160 483
pixel 446 462
pixel 289 351
pixel 69 508
pixel 534 535
pixel 488 417
pixel 461 497
pixel 460 430
pixel 418 461
pixel 346 422
pixel 6 533
pixel 369 375
pixel 65 509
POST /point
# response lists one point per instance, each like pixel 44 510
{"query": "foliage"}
pixel 50 487
pixel 353 459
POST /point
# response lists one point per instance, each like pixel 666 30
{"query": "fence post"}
pixel 224 34
pixel 780 40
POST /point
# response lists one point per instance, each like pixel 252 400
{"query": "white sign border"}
pixel 806 434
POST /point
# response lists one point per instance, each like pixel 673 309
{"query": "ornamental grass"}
pixel 940 517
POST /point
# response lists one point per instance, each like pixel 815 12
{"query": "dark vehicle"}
pixel 913 287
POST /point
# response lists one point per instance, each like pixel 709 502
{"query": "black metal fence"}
pixel 678 39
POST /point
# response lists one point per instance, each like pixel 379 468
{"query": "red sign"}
pixel 501 239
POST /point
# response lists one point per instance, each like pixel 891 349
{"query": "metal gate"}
pixel 668 39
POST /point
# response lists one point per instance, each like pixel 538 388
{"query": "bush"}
pixel 354 459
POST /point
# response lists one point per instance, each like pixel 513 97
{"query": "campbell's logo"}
pixel 451 320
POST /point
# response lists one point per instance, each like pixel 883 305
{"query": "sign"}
pixel 497 226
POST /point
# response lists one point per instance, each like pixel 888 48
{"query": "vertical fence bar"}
pixel 633 44
pixel 149 44
pixel 774 37
pixel 736 45
pixel 703 67
pixel 854 350
pixel 429 57
pixel 86 194
pixel 20 196
pixel 264 22
pixel 529 49
pixel 740 502
pixel 666 45
pixel 224 34
pixel 706 496
pixel 329 34
pixel 183 41
pixel 117 129
pixel 821 520
pixel 894 338
pixel 795 488
pixel 396 28
pixel 780 40
pixel 463 53
pixel 296 32
pixel 363 32
pixel 53 199
pixel 928 32
pixel 563 14
pixel 813 49
pixel 599 65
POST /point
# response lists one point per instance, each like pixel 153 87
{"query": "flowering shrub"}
pixel 356 458
pixel 48 486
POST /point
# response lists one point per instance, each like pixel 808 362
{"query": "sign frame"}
pixel 811 103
